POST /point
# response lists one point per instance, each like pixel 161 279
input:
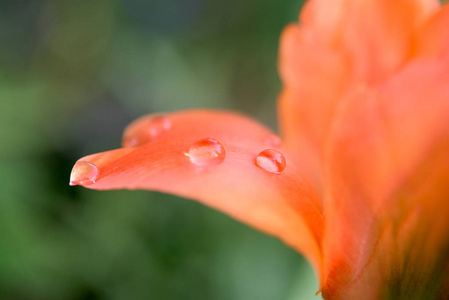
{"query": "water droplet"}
pixel 273 141
pixel 129 142
pixel 271 161
pixel 84 173
pixel 206 152
pixel 159 124
pixel 155 126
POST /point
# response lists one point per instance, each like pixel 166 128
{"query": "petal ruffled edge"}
pixel 376 34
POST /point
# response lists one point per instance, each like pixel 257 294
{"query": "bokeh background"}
pixel 72 75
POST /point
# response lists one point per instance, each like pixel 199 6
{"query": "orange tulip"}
pixel 359 182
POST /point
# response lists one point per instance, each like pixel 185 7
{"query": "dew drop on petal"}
pixel 206 152
pixel 273 141
pixel 155 126
pixel 271 161
pixel 129 142
pixel 159 124
pixel 84 173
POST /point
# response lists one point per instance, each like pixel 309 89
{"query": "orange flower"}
pixel 360 181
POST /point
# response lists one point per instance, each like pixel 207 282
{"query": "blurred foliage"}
pixel 72 75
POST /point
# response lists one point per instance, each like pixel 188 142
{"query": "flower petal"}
pixel 433 38
pixel 338 46
pixel 409 256
pixel 381 141
pixel 375 33
pixel 282 204
pixel 315 77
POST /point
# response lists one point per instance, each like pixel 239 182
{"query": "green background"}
pixel 72 75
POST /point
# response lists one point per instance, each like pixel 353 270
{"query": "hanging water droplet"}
pixel 206 152
pixel 271 161
pixel 84 173
pixel 273 141
pixel 154 127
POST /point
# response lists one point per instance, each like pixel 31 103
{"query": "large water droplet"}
pixel 271 161
pixel 206 152
pixel 155 126
pixel 84 173
pixel 273 141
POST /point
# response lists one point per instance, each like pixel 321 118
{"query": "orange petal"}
pixel 421 264
pixel 433 38
pixel 337 46
pixel 381 141
pixel 315 78
pixel 408 258
pixel 376 34
pixel 212 157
